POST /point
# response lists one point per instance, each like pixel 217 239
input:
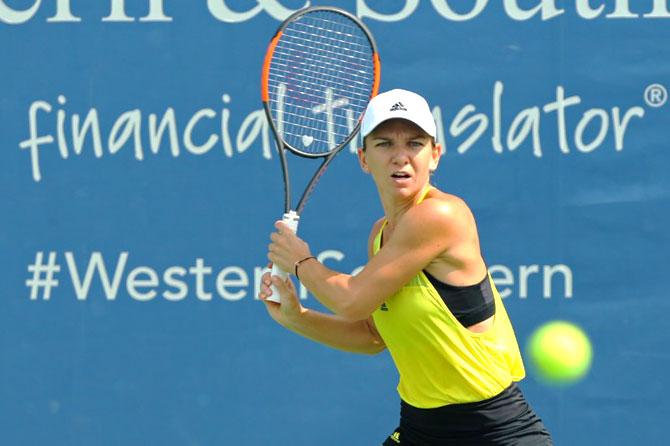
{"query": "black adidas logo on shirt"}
pixel 398 106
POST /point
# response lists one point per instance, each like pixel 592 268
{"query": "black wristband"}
pixel 297 264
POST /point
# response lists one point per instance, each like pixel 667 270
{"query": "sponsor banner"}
pixel 140 184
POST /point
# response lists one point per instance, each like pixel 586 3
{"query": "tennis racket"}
pixel 320 71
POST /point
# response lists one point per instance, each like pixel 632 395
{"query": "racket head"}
pixel 320 71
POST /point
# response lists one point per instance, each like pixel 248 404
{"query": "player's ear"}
pixel 436 155
pixel 362 161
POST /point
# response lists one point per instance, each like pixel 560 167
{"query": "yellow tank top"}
pixel 440 362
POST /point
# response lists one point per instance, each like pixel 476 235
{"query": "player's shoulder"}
pixel 441 207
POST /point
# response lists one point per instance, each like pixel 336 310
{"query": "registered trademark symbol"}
pixel 655 95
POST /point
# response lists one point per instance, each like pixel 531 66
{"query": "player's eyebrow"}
pixel 417 136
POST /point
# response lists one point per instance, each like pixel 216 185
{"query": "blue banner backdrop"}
pixel 140 184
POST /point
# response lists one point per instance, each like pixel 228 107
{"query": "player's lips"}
pixel 400 177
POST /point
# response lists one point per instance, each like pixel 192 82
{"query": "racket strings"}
pixel 328 41
pixel 346 63
pixel 342 23
pixel 341 30
pixel 345 127
pixel 357 86
pixel 343 64
pixel 285 68
pixel 321 78
pixel 292 60
pixel 296 112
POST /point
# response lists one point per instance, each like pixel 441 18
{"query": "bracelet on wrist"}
pixel 297 264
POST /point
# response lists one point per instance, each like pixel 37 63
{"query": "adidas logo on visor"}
pixel 398 106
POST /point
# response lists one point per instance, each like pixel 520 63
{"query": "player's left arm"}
pixel 425 232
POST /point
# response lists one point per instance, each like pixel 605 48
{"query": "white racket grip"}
pixel 290 219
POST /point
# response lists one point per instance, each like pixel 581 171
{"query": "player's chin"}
pixel 406 187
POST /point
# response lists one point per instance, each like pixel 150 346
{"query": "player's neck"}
pixel 396 205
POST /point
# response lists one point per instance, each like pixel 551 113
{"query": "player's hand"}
pixel 290 308
pixel 286 248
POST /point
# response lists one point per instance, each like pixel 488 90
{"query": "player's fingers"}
pixel 281 285
pixel 289 285
pixel 265 291
pixel 266 282
pixel 286 290
pixel 280 239
pixel 273 251
pixel 270 304
pixel 265 288
pixel 277 243
pixel 265 278
pixel 278 283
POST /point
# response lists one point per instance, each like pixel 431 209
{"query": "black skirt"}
pixel 504 420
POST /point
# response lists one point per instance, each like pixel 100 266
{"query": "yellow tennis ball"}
pixel 560 352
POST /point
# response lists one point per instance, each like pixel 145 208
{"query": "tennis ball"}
pixel 559 352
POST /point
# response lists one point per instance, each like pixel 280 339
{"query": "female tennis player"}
pixel 425 295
